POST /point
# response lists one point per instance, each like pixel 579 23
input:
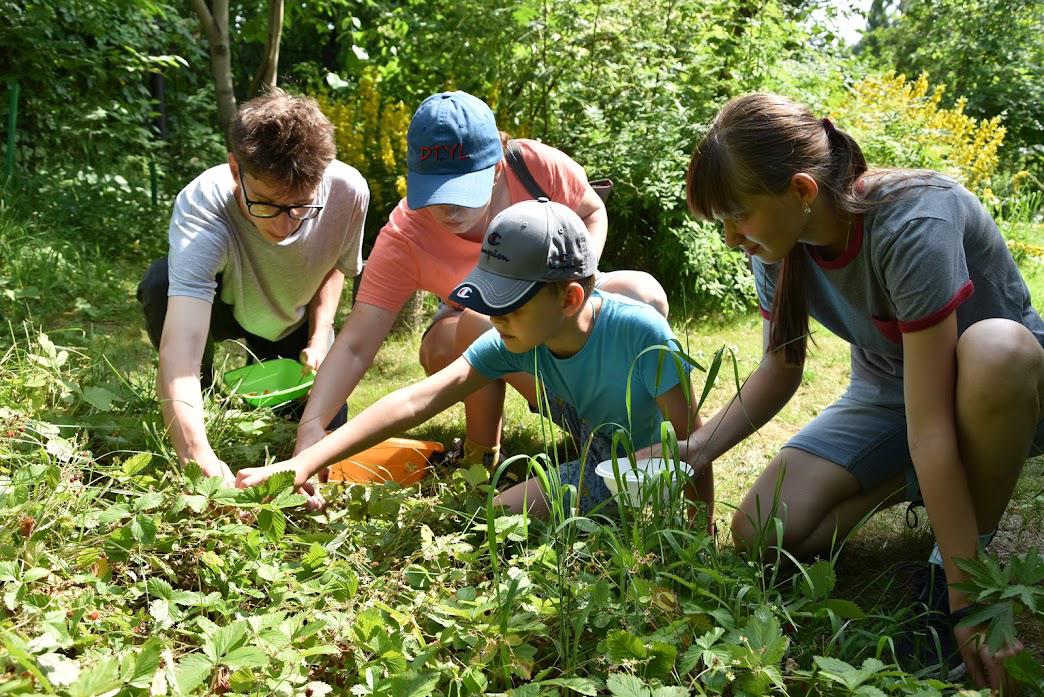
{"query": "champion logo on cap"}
pixel 464 292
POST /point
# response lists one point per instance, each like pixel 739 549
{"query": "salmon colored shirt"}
pixel 413 252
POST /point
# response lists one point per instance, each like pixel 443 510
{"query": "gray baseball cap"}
pixel 526 245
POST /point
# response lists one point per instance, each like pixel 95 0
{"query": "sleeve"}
pixel 564 180
pixel 925 272
pixel 391 275
pixel 765 284
pixel 198 248
pixel 350 262
pixel 488 355
pixel 658 371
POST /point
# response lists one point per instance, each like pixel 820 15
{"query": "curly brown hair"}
pixel 283 140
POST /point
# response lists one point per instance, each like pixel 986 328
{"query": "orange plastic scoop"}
pixel 401 460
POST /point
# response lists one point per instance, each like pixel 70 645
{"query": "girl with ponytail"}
pixel 944 404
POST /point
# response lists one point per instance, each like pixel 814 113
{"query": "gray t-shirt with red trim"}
pixel 928 249
pixel 268 285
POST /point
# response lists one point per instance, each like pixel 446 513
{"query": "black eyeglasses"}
pixel 263 209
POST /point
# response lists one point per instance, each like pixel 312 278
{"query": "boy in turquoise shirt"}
pixel 535 279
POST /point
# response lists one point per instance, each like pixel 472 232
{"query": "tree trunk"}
pixel 215 25
pixel 268 71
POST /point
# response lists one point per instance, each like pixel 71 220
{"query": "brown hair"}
pixel 283 140
pixel 756 144
pixel 587 284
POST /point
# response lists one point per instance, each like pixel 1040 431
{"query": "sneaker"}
pixel 929 641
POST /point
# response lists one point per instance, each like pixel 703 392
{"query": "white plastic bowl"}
pixel 645 470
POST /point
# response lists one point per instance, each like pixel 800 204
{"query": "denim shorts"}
pixel 580 473
pixel 866 434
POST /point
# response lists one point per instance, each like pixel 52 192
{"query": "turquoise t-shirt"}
pixel 594 380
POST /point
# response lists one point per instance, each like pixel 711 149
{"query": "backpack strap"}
pixel 513 155
pixel 518 166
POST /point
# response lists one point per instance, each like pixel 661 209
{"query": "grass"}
pixel 85 415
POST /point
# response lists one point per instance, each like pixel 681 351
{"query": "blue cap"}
pixel 452 148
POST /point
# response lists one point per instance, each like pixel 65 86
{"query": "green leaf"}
pixel 272 522
pixel 661 659
pixel 845 609
pixel 143 529
pixel 102 677
pixel 288 498
pixel 191 672
pixel 818 580
pixel 149 501
pixel 245 657
pixel 159 588
pixel 414 685
pixel 623 646
pixel 622 685
pixel 670 692
pixel 475 475
pixel 765 636
pixel 136 463
pixel 147 663
pixel 114 513
pixel 1024 668
pixel 583 686
pixel 99 398
pixel 35 574
pixel 224 640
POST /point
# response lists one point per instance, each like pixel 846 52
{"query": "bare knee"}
pixel 438 349
pixel 999 368
pixel 470 326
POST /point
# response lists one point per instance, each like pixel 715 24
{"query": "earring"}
pixel 807 210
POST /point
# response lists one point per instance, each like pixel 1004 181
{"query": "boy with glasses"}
pixel 259 248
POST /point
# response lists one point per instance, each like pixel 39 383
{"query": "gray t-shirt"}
pixel 268 285
pixel 929 249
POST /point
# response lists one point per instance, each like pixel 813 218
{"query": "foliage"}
pixel 371 136
pixel 987 51
pixel 902 123
pixel 87 134
pixel 121 574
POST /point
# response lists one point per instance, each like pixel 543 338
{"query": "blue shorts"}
pixel 580 473
pixel 866 435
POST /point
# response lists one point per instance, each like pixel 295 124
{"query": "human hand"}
pixel 253 476
pixel 312 356
pixel 985 668
pixel 212 466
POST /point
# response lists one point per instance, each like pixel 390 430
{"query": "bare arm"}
pixel 929 378
pixel 321 311
pixel 348 360
pixel 764 393
pixel 393 413
pixel 592 211
pixel 177 383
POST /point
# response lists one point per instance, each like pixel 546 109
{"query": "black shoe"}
pixel 454 457
pixel 928 642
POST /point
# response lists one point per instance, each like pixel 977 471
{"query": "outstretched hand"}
pixel 217 468
pixel 985 668
pixel 252 476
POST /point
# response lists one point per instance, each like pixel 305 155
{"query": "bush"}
pixel 902 123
